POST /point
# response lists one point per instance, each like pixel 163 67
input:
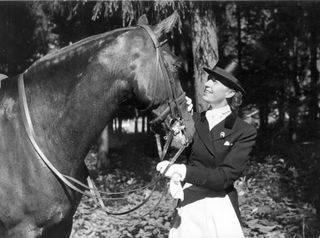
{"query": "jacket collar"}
pixel 228 122
pixel 220 131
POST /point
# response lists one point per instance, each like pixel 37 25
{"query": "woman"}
pixel 208 206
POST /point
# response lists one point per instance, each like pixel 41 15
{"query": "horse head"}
pixel 156 82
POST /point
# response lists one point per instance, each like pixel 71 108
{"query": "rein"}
pixel 91 190
pixel 94 193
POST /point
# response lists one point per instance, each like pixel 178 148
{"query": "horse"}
pixel 71 95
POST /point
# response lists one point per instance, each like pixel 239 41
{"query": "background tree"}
pixel 204 47
pixel 313 29
pixel 276 44
pixel 23 39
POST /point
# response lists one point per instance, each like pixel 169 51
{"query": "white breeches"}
pixel 209 217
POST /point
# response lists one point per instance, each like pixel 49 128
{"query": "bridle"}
pixel 91 190
pixel 166 75
pixel 176 123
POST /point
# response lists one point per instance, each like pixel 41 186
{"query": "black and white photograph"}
pixel 160 119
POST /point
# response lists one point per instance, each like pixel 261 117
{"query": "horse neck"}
pixel 70 109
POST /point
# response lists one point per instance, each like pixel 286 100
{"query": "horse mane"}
pixel 64 54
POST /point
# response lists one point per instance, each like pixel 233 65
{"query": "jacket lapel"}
pixel 224 128
pixel 202 128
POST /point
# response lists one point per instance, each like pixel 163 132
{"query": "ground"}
pixel 270 196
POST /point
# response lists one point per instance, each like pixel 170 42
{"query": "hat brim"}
pixel 225 78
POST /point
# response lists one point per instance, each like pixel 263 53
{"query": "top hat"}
pixel 226 76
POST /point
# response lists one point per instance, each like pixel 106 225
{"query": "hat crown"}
pixel 232 67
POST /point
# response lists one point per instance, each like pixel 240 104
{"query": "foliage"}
pixel 275 42
pixel 305 158
pixel 272 41
pixel 271 198
pixel 137 164
pixel 130 11
pixel 23 39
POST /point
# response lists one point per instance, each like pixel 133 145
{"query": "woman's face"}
pixel 215 93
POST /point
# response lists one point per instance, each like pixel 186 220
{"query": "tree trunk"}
pixel 119 125
pixel 103 162
pixel 263 117
pixel 281 103
pixel 294 99
pixel 143 124
pixel 136 117
pixel 205 51
pixel 263 128
pixel 148 123
pixel 314 90
pixel 239 46
pixel 115 124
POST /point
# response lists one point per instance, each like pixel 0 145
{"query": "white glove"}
pixel 176 173
pixel 176 190
pixel 189 105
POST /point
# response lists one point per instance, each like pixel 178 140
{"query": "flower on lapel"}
pixel 222 134
pixel 227 143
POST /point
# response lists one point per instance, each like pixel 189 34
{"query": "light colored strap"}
pixel 159 147
pixel 31 135
pixel 64 178
pixel 95 192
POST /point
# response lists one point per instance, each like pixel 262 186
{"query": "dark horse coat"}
pixel 219 157
pixel 72 94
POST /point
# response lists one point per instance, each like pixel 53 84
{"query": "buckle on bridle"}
pixel 178 128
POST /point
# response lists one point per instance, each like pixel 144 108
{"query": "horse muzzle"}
pixel 181 126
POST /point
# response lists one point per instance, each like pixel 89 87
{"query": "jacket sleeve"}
pixel 229 170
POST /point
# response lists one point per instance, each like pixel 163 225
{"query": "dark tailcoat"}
pixel 219 157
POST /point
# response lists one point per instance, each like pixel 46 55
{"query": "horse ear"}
pixel 143 20
pixel 166 25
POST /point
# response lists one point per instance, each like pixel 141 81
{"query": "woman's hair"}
pixel 235 101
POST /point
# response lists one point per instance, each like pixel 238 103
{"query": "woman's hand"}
pixel 177 172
